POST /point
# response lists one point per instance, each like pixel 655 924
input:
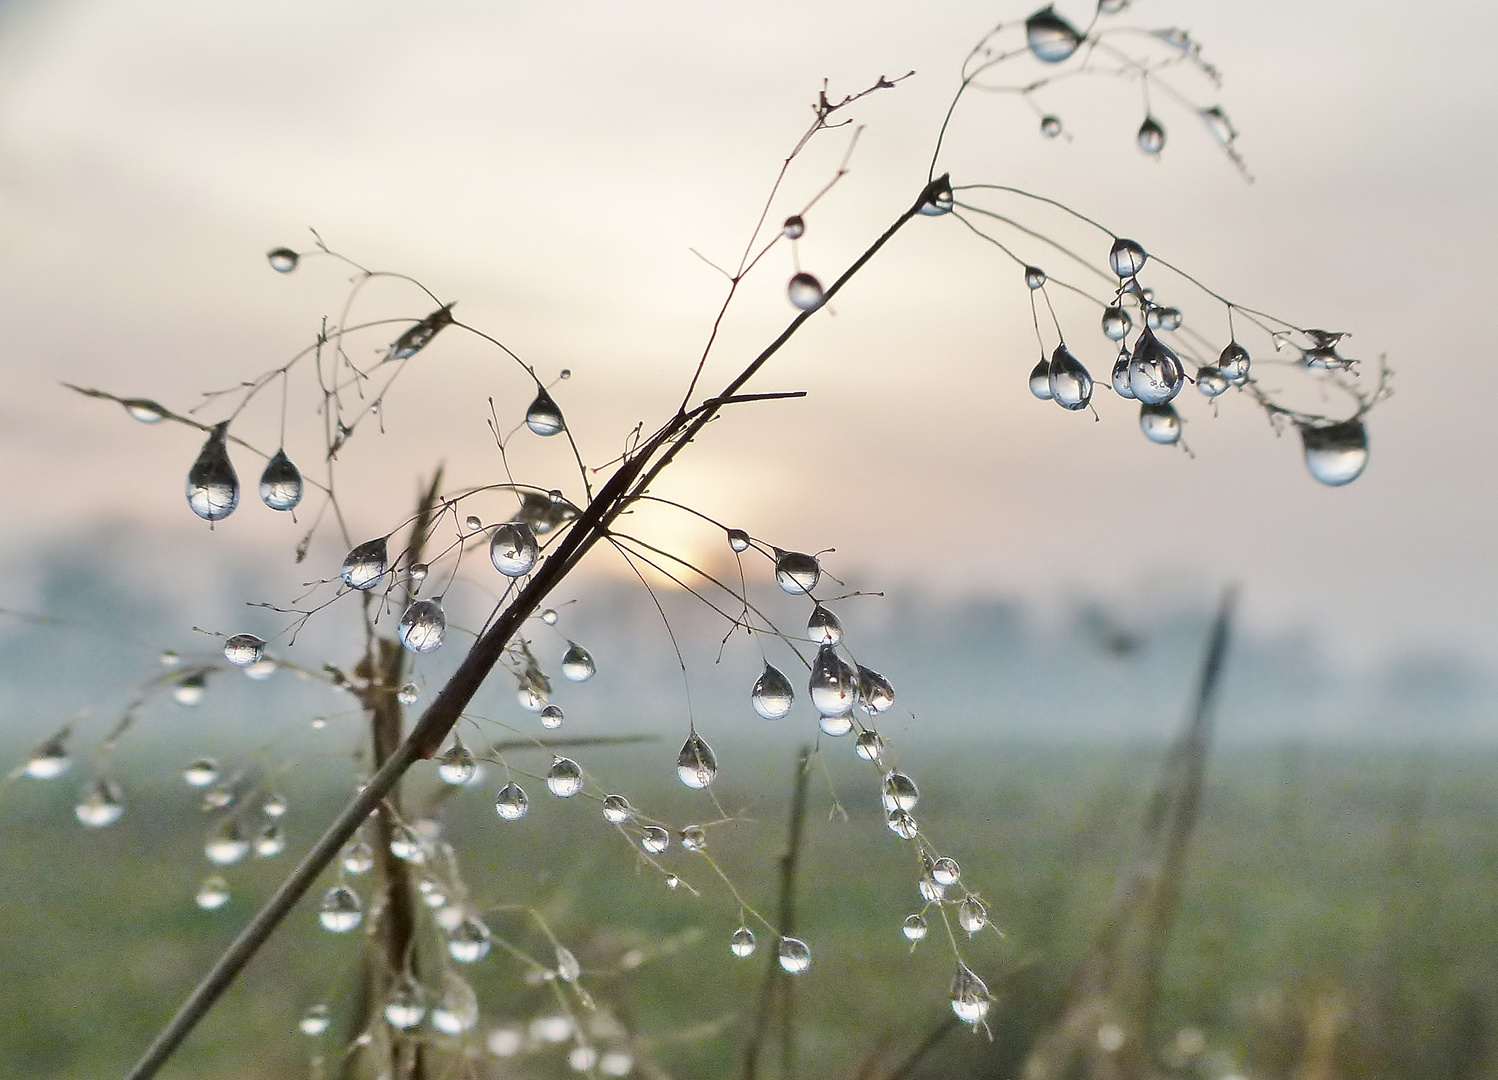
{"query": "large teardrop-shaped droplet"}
pixel 1040 380
pixel 1121 385
pixel 875 694
pixel 242 650
pixel 456 765
pixel 1071 385
pixel 406 1006
pixel 565 778
pixel 577 663
pixel 420 336
pixel 1160 424
pixel 1116 323
pixel 514 549
pixel 101 805
pixel 742 943
pixel 423 627
pixel 270 842
pixel 358 857
pixel 226 844
pixel 1126 257
pixel 1155 373
pixel 50 759
pixel 544 417
pixel 1151 136
pixel 797 573
pixel 457 1007
pixel 805 292
pixel 281 483
pixel 899 792
pixel 1336 454
pixel 366 564
pixel 824 628
pixel 1051 38
pixel 972 915
pixel 794 955
pixel 834 685
pixel 511 803
pixel 870 745
pixel 738 540
pixel 696 765
pixel 969 995
pixel 212 484
pixel 1234 362
pixel 773 694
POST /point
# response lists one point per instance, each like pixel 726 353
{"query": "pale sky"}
pixel 550 166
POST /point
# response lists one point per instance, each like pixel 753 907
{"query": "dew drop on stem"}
pixel 282 260
pixel 212 484
pixel 900 792
pixel 1234 362
pixel 1121 385
pixel 405 845
pixel 939 201
pixel 513 549
pixel 189 689
pixel 1050 37
pixel 1219 125
pixel 1116 322
pixel 281 483
pixel 738 540
pixel 49 760
pixel 875 692
pixel 565 778
pixel 270 842
pixel 577 663
pixel 805 292
pixel 870 746
pixel 945 871
pixel 456 766
pixel 1151 136
pixel 694 838
pixel 201 773
pixel 544 417
pixel 1070 383
pixel 914 927
pixel 654 840
pixel 972 915
pixel 1050 126
pixel 408 694
pixel 551 717
pixel 1155 372
pixel 1336 454
pixel 144 410
pixel 549 616
pixel 796 572
pixel 616 809
pixel 1160 424
pixel 365 565
pixel 823 627
pixel 358 857
pixel 794 227
pixel 742 943
pixel 469 942
pixel 772 695
pixel 473 523
pixel 340 910
pixel 696 765
pixel 969 995
pixel 1211 381
pixel 213 893
pixel 242 650
pixel 316 1020
pixel 226 845
pixel 794 955
pixel 1034 277
pixel 833 687
pixel 420 336
pixel 406 1007
pixel 511 803
pixel 1040 380
pixel 457 1007
pixel 902 824
pixel 423 626
pixel 1126 258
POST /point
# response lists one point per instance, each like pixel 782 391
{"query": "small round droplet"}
pixel 696 765
pixel 212 484
pixel 473 523
pixel 274 805
pixel 1211 381
pixel 654 840
pixel 170 658
pixel 242 650
pixel 544 417
pixel 673 881
pixel 201 773
pixel 1218 124
pixel 340 910
pixel 282 260
pixel 694 838
pixel 869 746
pixel 914 927
pixel 1116 323
pixel 408 694
pixel 1151 136
pixel 144 410
pixel 972 915
pixel 219 797
pixel 1071 385
pixel 823 627
pixel 364 566
pixel 406 1006
pixel 456 765
pixel 902 824
pixel 50 759
pixel 281 483
pixel 549 616
pixel 835 726
pixel 938 199
pixel 616 809
pixel 577 663
pixel 1336 454
pixel 226 845
pixel 1050 126
pixel 875 693
pixel 271 841
pixel 742 943
pixel 772 695
pixel 833 687
pixel 1034 277
pixel 794 955
pixel 900 792
pixel 315 1021
pixel 358 857
pixel 1160 424
pixel 551 717
pixel 469 942
pixel 945 871
pixel 1050 37
pixel 213 893
pixel 423 626
pixel 565 778
pixel 1126 258
pixel 805 292
pixel 189 689
pixel 1121 385
pixel 513 550
pixel 1234 362
pixel 511 803
pixel 794 227
pixel 405 845
pixel 969 995
pixel 1040 380
pixel 738 539
pixel 797 573
pixel 418 572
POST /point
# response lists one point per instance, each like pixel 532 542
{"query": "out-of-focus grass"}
pixel 1371 872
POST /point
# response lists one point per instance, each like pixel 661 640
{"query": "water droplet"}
pixel 796 572
pixel 696 765
pixel 274 805
pixel 694 838
pixel 170 658
pixel 794 955
pixel 281 483
pixel 505 1042
pixel 212 484
pixel 565 778
pixel 201 773
pixel 219 797
pixel 282 260
pixel 473 523
pixel 189 689
pixel 577 663
pixel 1211 381
pixel 969 995
pixel 549 616
pixel 242 650
pixel 271 842
pixel 423 627
pixel 532 697
pixel 514 550
pixel 1111 7
pixel 931 890
pixel 583 1058
pixel 1071 385
pixel 836 726
pixel 315 1021
pixel 340 910
pixel 1160 424
pixel 49 760
pixel 1151 136
pixel 1050 126
pixel 1116 323
pixel 456 765
pixel 738 539
pixel 144 410
pixel 794 227
pixel 1234 362
pixel 431 893
pixel 1336 454
pixel 772 695
pixel 406 1006
pixel 945 871
pixel 875 694
pixel 1040 380
pixel 551 717
pixel 902 824
pixel 261 669
pixel 358 857
pixel 511 803
pixel 900 792
pixel 805 292
pixel 1164 318
pixel 869 746
pixel 654 839
pixel 1034 277
pixel 1155 373
pixel 742 943
pixel 366 564
pixel 914 927
pixel 469 942
pixel 939 201
pixel 213 893
pixel 972 916
pixel 616 809
pixel 542 514
pixel 544 416
pixel 1121 385
pixel 406 845
pixel 420 336
pixel 457 1008
pixel 1126 258
pixel 1050 37
pixel 823 627
pixel 833 687
pixel 418 572
pixel 408 694
pixel 1219 125
pixel 226 845
pixel 568 968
